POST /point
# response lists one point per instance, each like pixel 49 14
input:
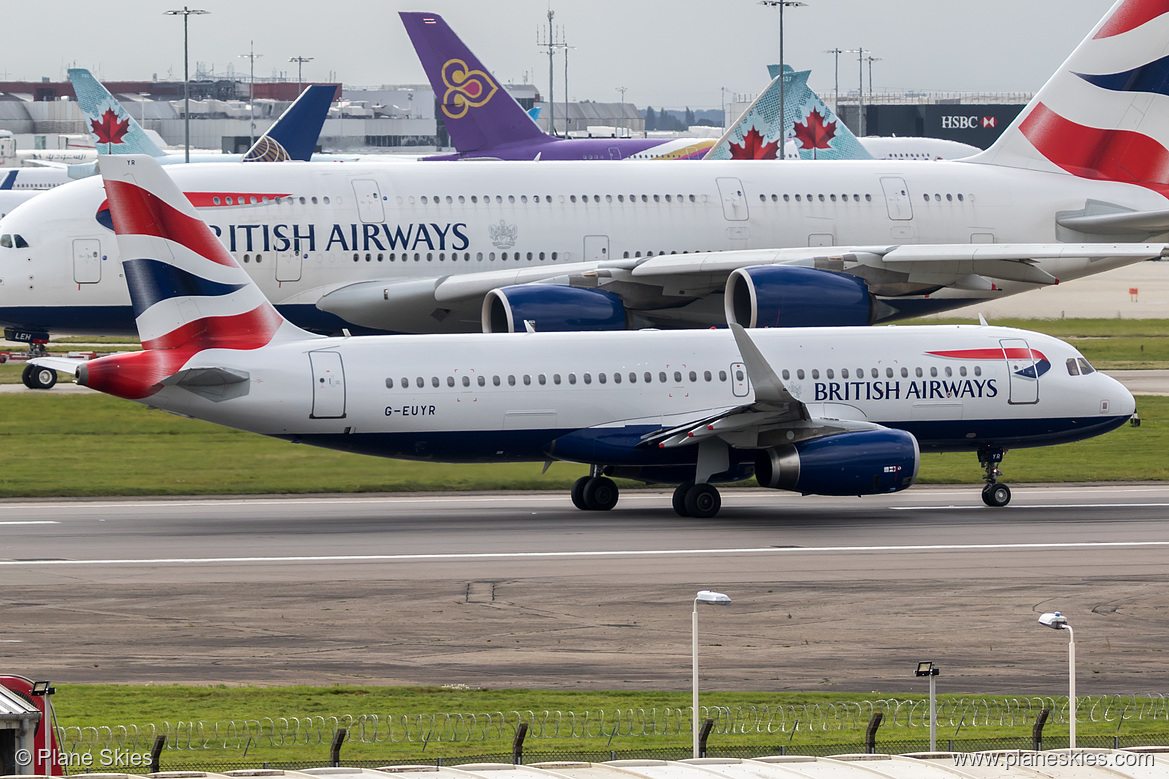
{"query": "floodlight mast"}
pixel 1057 621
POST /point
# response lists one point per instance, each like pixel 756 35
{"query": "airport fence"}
pixel 743 722
pixel 826 748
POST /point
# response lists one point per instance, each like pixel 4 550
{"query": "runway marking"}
pixel 467 556
pixel 31 522
pixel 1043 506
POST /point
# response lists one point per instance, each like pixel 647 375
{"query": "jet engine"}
pixel 551 308
pixel 794 296
pixel 865 462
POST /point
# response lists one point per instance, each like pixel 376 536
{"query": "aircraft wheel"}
pixel 26 376
pixel 36 377
pixel 703 501
pixel 600 494
pixel 997 495
pixel 578 489
pixel 680 499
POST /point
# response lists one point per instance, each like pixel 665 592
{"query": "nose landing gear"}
pixel 994 493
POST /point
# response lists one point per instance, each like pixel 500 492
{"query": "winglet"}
pixel 768 386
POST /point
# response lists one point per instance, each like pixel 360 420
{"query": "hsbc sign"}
pixel 959 122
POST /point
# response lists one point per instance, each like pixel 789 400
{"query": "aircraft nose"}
pixel 1117 400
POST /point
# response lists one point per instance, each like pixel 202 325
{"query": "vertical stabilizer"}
pixel 187 292
pixel 814 128
pixel 478 112
pixel 295 134
pixel 112 129
pixel 1104 115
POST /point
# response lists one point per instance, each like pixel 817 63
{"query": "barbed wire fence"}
pixel 275 732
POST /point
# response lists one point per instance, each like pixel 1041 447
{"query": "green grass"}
pixel 112 705
pixel 91 445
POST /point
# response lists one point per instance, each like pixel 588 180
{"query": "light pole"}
pixel 1058 621
pixel 251 57
pixel 781 4
pixel 871 59
pixel 929 669
pixel 299 73
pixel 186 13
pixel 715 599
pixel 836 92
pixel 860 88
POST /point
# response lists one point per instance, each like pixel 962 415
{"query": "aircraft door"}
pixel 369 200
pixel 328 385
pixel 614 153
pixel 1023 376
pixel 730 191
pixel 596 247
pixel 740 383
pixel 87 261
pixel 897 198
pixel 288 265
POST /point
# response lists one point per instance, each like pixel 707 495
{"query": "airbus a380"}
pixel 561 245
pixel 831 411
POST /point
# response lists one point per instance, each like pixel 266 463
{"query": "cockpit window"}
pixel 19 241
pixel 5 241
pixel 1085 367
pixel 1073 367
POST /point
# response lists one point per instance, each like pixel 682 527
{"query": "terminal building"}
pixel 403 118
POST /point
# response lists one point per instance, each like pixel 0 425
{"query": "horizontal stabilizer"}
pixel 215 384
pixel 1122 222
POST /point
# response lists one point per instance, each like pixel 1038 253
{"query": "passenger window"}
pixel 933 372
pixel 722 375
pixel 511 381
pixel 495 380
pixel 977 370
pixel 588 378
pixel 917 372
pixel 843 373
pixel 962 370
pixel 800 373
pixel 949 371
pixel 527 380
pixel 466 381
pixel 450 381
pixel 829 373
pixel 693 376
pixel 616 378
pixel 390 383
pixel 706 375
pixel 420 382
pixel 542 379
pixel 572 378
pixel 555 378
pixel 482 381
pixel 648 377
pixel 677 377
pixel 905 373
pixel 434 381
pixel 815 373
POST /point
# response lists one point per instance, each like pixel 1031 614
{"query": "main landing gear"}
pixel 594 493
pixel 36 377
pixel 700 501
pixel 993 494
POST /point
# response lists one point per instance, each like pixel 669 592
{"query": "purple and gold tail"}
pixel 187 292
pixel 478 112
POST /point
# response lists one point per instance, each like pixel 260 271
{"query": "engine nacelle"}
pixel 866 462
pixel 793 296
pixel 552 308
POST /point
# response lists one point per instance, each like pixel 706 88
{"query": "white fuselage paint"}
pixel 522 396
pixel 395 223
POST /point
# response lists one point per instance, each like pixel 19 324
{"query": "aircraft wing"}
pixel 63 364
pixel 1007 261
pixel 775 417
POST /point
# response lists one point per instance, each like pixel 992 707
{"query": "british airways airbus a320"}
pixel 1073 187
pixel 829 411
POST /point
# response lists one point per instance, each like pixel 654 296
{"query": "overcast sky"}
pixel 675 53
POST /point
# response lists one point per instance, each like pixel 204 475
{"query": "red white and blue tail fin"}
pixel 1104 115
pixel 187 292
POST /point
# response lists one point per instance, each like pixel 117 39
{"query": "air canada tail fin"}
pixel 112 129
pixel 817 132
pixel 1105 113
pixel 187 292
pixel 478 113
pixel 295 134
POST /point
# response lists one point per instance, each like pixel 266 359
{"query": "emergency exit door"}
pixel 328 385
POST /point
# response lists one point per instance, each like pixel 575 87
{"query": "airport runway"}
pixel 509 590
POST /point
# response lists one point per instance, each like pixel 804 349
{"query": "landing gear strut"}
pixel 993 494
pixel 594 493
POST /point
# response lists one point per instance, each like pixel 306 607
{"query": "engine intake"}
pixel 552 308
pixel 866 462
pixel 794 296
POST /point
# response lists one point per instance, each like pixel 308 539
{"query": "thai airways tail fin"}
pixel 815 129
pixel 187 291
pixel 112 129
pixel 478 113
pixel 295 134
pixel 1105 113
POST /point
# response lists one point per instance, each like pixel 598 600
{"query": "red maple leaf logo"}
pixel 109 129
pixel 753 147
pixel 814 133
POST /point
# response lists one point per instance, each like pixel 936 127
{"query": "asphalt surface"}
pixel 522 590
